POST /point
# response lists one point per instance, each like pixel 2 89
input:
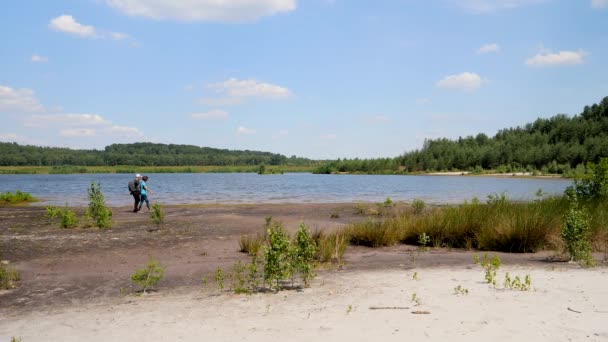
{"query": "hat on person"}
pixel 138 176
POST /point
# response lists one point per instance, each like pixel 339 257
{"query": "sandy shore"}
pixel 337 307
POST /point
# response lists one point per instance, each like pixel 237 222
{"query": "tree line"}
pixel 140 154
pixel 559 144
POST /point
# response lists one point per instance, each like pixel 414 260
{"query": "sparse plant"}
pixel 148 276
pixel 9 276
pixel 15 339
pixel 461 291
pixel 415 276
pixel 349 309
pixel 205 280
pixel 100 213
pixel 517 284
pixel 490 266
pixel 335 214
pixel 497 200
pixel 251 244
pixel 330 247
pixel 303 253
pixel 277 266
pixel 238 278
pixel 416 299
pixel 418 206
pixel 219 278
pixel 360 209
pixel 423 241
pixel 52 212
pixel 388 203
pixel 157 214
pixel 16 197
pixel 68 218
pixel 576 233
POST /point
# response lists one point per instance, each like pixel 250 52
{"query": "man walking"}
pixel 135 190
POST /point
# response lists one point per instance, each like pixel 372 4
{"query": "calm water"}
pixel 295 187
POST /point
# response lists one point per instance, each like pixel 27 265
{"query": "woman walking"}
pixel 144 193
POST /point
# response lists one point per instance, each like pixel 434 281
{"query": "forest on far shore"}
pixel 560 144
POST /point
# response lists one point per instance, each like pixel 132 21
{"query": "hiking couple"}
pixel 139 190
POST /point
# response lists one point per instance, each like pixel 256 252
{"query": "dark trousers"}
pixel 137 198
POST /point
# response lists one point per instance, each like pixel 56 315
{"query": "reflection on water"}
pixel 296 187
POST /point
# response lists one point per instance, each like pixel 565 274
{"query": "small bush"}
pixel 303 253
pixel 388 203
pixel 360 209
pixel 157 214
pixel 52 212
pixel 251 244
pixel 9 277
pixel 490 266
pixel 576 234
pixel 418 206
pixel 330 247
pixel 16 197
pixel 517 284
pixel 101 214
pixel 148 276
pixel 238 278
pixel 219 278
pixel 68 218
pixel 277 266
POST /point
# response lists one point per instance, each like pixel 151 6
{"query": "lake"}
pixel 186 188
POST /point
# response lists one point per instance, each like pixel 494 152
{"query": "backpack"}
pixel 133 186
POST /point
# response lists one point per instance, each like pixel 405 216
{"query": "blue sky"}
pixel 314 78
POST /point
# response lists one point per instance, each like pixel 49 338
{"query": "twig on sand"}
pixel 389 308
pixel 570 309
pixel 421 312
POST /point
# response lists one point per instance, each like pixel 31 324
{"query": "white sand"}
pixel 321 312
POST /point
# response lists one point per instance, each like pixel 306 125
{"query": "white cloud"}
pixel 125 132
pixel 67 120
pixel 599 3
pixel 77 132
pixel 67 23
pixel 488 48
pixel 548 58
pixel 203 10
pixel 211 115
pixel 466 81
pixel 12 99
pixel 118 35
pixel 39 59
pixel 245 130
pixel 250 88
pixel 488 6
pixel 234 91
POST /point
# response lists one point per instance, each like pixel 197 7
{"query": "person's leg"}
pixel 147 202
pixel 137 199
pixel 141 202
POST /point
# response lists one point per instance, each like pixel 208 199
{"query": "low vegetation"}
pixel 148 276
pixel 99 212
pixel 9 276
pixel 157 214
pixel 16 198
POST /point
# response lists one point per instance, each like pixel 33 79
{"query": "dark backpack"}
pixel 133 186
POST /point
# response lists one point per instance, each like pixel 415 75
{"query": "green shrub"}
pixel 157 214
pixel 517 284
pixel 576 234
pixel 219 278
pixel 593 185
pixel 9 277
pixel 303 253
pixel 277 265
pixel 490 266
pixel 52 212
pixel 148 276
pixel 101 214
pixel 68 218
pixel 15 198
pixel 238 278
pixel 418 206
